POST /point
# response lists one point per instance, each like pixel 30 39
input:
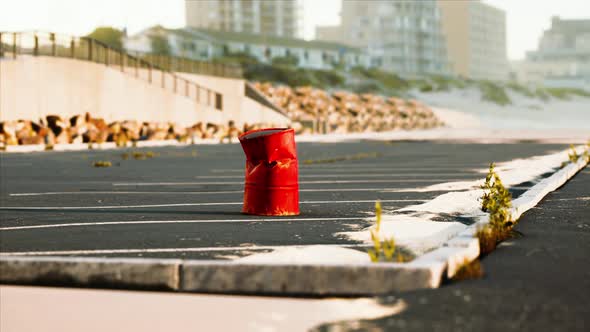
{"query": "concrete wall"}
pixel 236 105
pixel 33 87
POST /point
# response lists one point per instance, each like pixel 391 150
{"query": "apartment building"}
pixel 475 33
pixel 404 37
pixel 274 18
pixel 562 58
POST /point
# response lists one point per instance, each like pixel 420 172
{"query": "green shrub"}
pixel 523 90
pixel 238 58
pixel 566 93
pixel 542 94
pixel 426 87
pixel 443 83
pixel 293 76
pixel 494 93
pixel 288 60
pixel 387 79
pixel 366 87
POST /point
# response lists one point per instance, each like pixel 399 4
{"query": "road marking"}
pixel 154 250
pixel 377 190
pixel 103 207
pixel 126 193
pixel 363 167
pixel 196 221
pixel 582 198
pixel 337 175
pixel 130 184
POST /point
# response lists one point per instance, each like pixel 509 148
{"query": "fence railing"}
pixel 14 44
pixel 186 65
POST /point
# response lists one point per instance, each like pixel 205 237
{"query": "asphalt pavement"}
pixel 185 202
pixel 539 281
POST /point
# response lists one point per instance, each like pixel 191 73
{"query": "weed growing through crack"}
pixel 383 250
pixel 573 154
pixel 497 201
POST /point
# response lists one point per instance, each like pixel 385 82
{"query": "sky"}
pixel 526 19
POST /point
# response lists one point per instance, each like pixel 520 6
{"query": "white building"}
pixel 268 17
pixel 562 59
pixel 476 39
pixel 205 44
pixel 404 37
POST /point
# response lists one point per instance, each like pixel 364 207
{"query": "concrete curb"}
pixel 467 246
pixel 221 277
pixel 308 279
pixel 91 272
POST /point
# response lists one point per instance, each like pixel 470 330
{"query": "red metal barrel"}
pixel 271 184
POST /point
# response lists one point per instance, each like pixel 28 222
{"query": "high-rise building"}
pixel 563 56
pixel 404 37
pixel 476 39
pixel 275 18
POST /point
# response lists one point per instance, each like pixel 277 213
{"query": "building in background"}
pixel 274 18
pixel 475 34
pixel 207 44
pixel 562 58
pixel 404 37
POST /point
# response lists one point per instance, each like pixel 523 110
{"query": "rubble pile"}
pixel 315 111
pixel 54 129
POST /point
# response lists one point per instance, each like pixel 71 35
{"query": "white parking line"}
pixel 50 193
pixel 364 168
pixel 349 175
pixel 103 207
pixel 188 183
pixel 126 193
pixel 149 222
pixel 153 250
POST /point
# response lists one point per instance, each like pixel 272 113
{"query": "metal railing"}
pixel 186 65
pixel 14 44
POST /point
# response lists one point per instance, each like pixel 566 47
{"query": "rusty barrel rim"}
pixel 275 131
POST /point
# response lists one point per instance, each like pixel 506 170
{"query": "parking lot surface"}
pixel 185 202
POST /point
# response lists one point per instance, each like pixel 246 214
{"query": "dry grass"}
pixel 469 270
pixel 489 237
pixel 142 156
pixel 358 156
pixel 102 164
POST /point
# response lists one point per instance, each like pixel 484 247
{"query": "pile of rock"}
pixel 86 129
pixel 315 111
